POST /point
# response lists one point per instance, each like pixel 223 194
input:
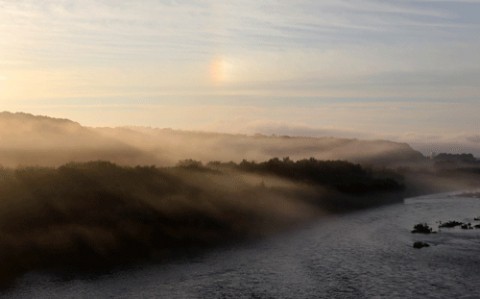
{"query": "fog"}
pixel 43 141
pixel 96 216
pixel 76 199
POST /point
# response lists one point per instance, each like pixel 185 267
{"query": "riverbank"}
pixel 90 217
pixel 362 254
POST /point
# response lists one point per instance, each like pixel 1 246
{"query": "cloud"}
pixel 104 52
pixel 101 29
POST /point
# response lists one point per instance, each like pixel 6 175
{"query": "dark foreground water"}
pixel 366 254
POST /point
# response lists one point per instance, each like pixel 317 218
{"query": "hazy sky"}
pixel 377 66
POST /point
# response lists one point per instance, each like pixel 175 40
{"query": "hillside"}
pixel 38 140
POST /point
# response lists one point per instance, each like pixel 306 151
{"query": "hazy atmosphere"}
pixel 239 149
pixel 383 68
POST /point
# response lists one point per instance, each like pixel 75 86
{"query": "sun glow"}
pixel 221 70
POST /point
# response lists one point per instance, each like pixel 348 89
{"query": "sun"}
pixel 221 70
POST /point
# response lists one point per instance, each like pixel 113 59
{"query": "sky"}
pixel 364 67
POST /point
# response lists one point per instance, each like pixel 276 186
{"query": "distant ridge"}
pixel 20 115
pixel 28 139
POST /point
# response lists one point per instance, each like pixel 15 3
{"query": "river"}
pixel 365 254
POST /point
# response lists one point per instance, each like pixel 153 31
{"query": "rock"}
pixel 467 226
pixel 420 244
pixel 422 228
pixel 450 224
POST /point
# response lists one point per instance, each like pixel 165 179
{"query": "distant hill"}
pixel 39 140
pixel 26 139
